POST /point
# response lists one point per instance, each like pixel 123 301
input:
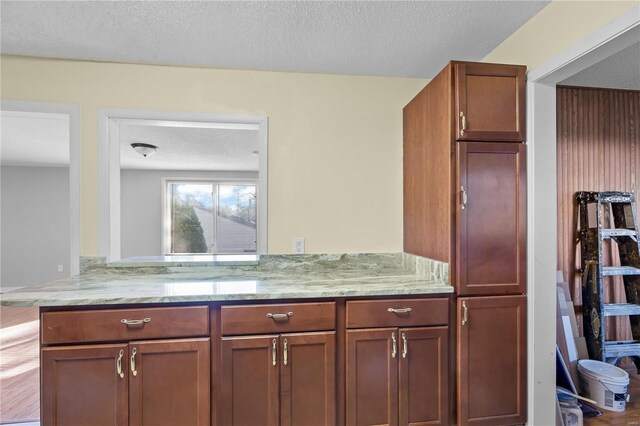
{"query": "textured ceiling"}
pixel 388 38
pixel 619 71
pixel 185 148
pixel 34 139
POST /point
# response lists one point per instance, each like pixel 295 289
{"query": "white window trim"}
pixel 166 208
pixel 109 120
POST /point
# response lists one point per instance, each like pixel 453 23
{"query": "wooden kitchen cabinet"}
pixel 424 376
pixel 492 367
pixel 489 102
pixel 458 194
pixel 286 379
pixel 132 382
pixel 397 376
pixel 81 385
pixel 170 382
pixel 491 220
pixel 372 377
pixel 154 383
pixel 308 379
pixel 465 205
pixel 250 381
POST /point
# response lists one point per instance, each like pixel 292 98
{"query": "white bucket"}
pixel 606 384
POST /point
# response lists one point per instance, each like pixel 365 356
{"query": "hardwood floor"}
pixel 19 365
pixel 631 416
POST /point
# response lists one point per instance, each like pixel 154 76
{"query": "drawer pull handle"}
pixel 405 346
pixel 119 364
pixel 399 310
pixel 133 362
pixel 463 194
pixel 273 352
pixel 279 316
pixel 394 345
pixel 465 313
pixel 135 322
pixel 285 355
pixel 463 123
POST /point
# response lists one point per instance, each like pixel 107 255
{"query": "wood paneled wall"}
pixel 598 147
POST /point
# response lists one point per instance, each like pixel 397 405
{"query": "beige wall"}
pixel 335 142
pixel 556 27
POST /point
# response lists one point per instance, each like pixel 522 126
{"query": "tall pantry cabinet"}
pixel 465 204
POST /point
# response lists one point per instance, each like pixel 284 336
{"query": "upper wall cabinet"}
pixel 490 102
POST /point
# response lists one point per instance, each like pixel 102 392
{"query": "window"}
pixel 210 217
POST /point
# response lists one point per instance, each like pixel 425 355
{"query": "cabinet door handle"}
pixel 465 313
pixel 119 364
pixel 285 353
pixel 394 345
pixel 274 353
pixel 399 310
pixel 133 362
pixel 405 346
pixel 279 316
pixel 463 194
pixel 463 123
pixel 135 322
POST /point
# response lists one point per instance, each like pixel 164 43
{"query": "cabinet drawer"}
pixel 109 325
pixel 280 318
pixel 397 312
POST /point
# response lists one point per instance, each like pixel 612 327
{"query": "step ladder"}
pixel 609 216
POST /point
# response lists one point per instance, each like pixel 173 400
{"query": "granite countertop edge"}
pixel 311 277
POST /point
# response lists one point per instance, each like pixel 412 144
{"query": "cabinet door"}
pixel 491 219
pixel 424 376
pixel 250 380
pixel 82 385
pixel 307 379
pixel 492 367
pixel 372 377
pixel 490 102
pixel 169 382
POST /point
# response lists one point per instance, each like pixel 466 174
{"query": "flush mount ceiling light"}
pixel 144 149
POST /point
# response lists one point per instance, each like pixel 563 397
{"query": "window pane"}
pixel 191 218
pixel 236 219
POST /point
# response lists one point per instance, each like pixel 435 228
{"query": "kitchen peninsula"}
pixel 292 339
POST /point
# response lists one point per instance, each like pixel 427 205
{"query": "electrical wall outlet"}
pixel 298 245
pixel 60 268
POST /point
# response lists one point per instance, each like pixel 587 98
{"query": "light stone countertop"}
pixel 275 277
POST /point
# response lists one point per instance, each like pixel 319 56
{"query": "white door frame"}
pixel 542 201
pixel 73 111
pixel 109 121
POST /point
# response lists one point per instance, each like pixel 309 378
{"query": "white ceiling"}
pixel 387 38
pixel 619 71
pixel 187 148
pixel 34 139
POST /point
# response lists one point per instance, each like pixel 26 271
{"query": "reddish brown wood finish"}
pixel 492 366
pixel 216 364
pixel 81 386
pixel 492 99
pixel 428 170
pixel 375 313
pixel 105 325
pixel 598 147
pixel 172 384
pixel 424 376
pixel 371 377
pixel 491 237
pixel 250 380
pixel 308 379
pixel 252 319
